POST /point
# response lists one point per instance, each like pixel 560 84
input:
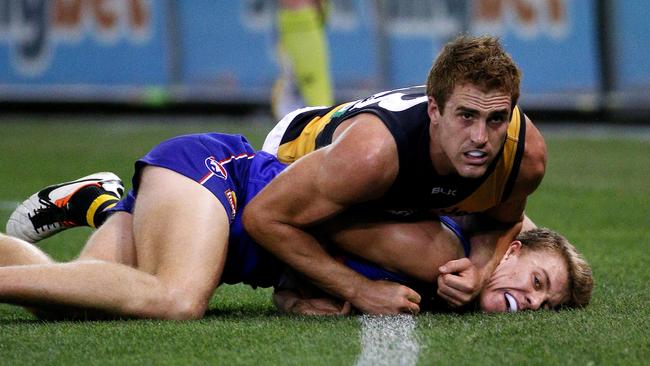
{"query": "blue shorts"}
pixel 229 167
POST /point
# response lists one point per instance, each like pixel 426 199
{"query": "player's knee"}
pixel 164 303
pixel 186 308
pixel 181 305
pixel 5 237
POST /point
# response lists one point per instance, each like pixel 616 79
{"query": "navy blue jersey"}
pixel 417 187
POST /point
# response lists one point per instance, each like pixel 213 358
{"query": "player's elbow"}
pixel 255 219
pixel 535 157
pixel 251 220
pixel 537 170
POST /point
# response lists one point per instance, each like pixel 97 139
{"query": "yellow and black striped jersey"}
pixel 417 187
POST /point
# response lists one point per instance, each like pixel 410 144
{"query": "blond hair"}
pixel 479 61
pixel 581 280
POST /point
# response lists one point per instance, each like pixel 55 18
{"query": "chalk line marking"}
pixel 388 340
pixel 8 205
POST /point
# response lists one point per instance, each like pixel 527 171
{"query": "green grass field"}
pixel 596 192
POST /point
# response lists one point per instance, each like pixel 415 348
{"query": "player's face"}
pixel 470 133
pixel 526 280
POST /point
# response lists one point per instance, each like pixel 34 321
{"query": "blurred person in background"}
pixel 304 57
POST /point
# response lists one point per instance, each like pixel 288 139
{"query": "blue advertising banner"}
pixel 225 51
pixel 553 42
pixel 356 54
pixel 632 44
pixel 226 48
pixel 73 44
pixel 229 49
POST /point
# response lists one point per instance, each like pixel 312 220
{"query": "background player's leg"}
pixel 113 241
pixel 304 44
pixel 14 251
pixel 180 238
pixel 102 245
pixel 181 235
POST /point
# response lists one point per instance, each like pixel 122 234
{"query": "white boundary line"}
pixel 388 340
pixel 8 205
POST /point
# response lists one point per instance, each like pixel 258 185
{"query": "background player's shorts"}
pixel 218 162
pixel 232 171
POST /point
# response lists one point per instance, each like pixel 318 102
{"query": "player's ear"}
pixel 513 250
pixel 433 110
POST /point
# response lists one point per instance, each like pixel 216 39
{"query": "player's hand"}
pixel 290 302
pixel 459 282
pixel 320 306
pixel 385 297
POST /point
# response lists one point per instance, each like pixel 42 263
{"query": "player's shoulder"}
pixel 390 113
pixel 533 164
pixel 391 102
pixel 365 129
pixel 365 150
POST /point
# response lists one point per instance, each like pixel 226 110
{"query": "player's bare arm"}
pixel 414 248
pixel 359 166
